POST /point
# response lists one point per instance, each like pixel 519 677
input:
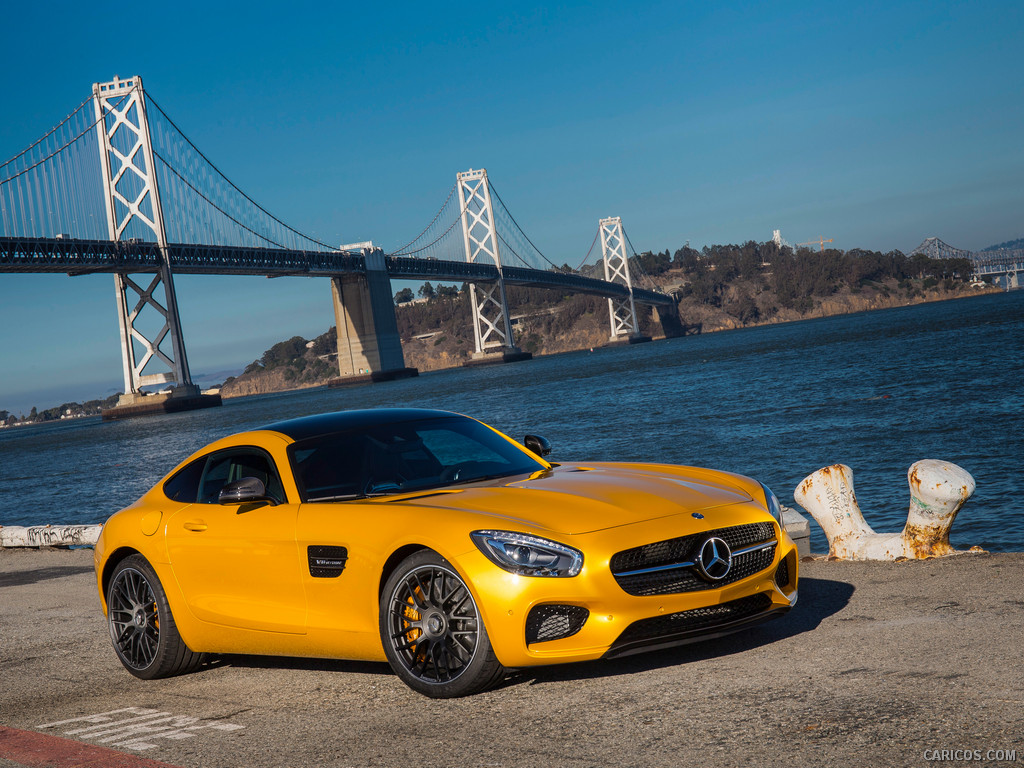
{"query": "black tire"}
pixel 432 632
pixel 142 628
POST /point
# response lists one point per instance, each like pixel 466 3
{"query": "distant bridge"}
pixel 1004 266
pixel 116 187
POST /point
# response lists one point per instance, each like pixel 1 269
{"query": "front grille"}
pixel 554 622
pixel 694 620
pixel 684 550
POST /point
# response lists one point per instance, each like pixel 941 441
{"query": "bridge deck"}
pixel 79 257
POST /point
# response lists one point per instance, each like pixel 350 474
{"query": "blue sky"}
pixel 876 124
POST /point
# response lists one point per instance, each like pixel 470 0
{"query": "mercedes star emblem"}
pixel 714 561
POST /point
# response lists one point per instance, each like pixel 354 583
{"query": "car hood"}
pixel 577 499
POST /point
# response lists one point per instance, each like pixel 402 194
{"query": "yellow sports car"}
pixel 435 542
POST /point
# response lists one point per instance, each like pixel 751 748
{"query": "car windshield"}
pixel 406 456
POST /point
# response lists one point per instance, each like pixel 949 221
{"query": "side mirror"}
pixel 245 490
pixel 537 444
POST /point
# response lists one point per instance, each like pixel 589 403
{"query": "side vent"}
pixel 327 562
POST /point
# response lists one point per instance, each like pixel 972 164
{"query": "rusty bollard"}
pixel 937 491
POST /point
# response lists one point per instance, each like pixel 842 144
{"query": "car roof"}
pixel 341 421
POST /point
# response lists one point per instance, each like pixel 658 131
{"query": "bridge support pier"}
pixel 174 400
pixel 369 348
pixel 671 325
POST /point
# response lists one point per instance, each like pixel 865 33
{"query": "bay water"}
pixel 875 390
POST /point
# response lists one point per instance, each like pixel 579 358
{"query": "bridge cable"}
pixel 436 240
pixel 592 244
pixel 235 187
pixel 217 207
pixel 523 261
pixel 54 153
pixel 56 128
pixel 436 217
pixel 440 237
pixel 513 218
pixel 639 265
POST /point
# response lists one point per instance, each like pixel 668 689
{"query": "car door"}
pixel 238 564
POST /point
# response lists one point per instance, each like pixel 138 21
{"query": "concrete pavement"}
pixel 879 663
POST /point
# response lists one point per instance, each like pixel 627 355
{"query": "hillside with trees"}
pixel 1009 245
pixel 61 412
pixel 736 285
pixel 292 364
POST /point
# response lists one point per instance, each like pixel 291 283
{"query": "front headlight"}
pixel 773 506
pixel 528 555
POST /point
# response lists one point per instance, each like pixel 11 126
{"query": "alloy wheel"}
pixel 433 624
pixel 134 621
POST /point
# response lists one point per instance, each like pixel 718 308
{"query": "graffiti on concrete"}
pixel 49 535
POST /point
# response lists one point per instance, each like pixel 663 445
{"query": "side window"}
pixel 183 486
pixel 214 478
pixel 329 470
pixel 229 466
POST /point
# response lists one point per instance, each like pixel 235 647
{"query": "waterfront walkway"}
pixel 879 664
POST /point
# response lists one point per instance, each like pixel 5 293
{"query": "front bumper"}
pixel 696 625
pixel 616 623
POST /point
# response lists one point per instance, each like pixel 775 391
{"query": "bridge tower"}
pixel 492 328
pixel 616 270
pixel 150 330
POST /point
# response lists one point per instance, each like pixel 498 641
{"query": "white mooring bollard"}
pixel 49 535
pixel 937 491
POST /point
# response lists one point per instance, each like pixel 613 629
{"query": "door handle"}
pixel 195 525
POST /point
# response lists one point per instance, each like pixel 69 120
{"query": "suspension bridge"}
pixel 116 187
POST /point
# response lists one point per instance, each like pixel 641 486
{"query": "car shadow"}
pixel 22 578
pixel 297 663
pixel 819 599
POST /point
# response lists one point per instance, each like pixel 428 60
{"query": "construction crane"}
pixel 820 241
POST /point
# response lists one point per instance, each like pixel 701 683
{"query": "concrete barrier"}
pixel 938 489
pixel 799 529
pixel 49 535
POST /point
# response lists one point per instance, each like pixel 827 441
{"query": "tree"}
pixel 426 291
pixel 283 353
pixel 744 309
pixel 653 263
pixel 920 265
pixel 327 343
pixel 404 296
pixel 687 258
